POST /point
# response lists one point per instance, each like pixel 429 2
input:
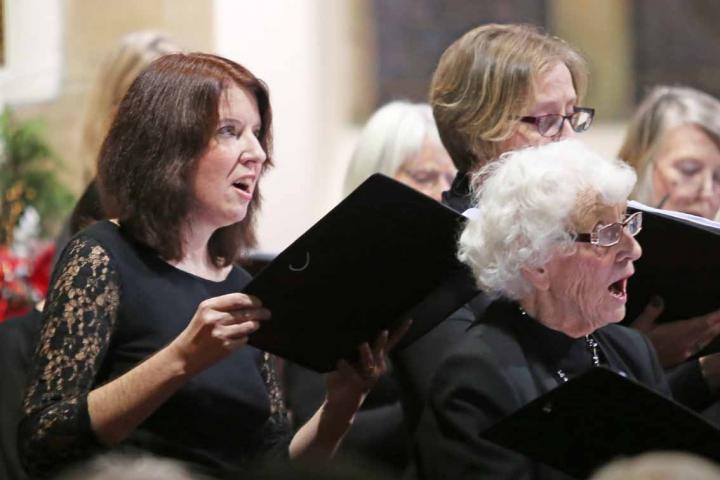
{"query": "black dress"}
pixel 501 364
pixel 112 304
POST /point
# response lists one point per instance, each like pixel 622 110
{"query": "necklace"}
pixel 590 344
pixel 592 347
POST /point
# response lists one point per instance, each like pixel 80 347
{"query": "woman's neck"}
pixel 196 258
pixel 553 314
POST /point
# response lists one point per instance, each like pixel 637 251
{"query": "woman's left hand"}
pixel 349 384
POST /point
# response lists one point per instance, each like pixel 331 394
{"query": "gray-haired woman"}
pixel 552 243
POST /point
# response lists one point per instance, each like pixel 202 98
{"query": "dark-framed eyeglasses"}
pixel 609 235
pixel 551 124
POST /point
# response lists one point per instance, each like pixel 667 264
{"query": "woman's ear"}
pixel 537 276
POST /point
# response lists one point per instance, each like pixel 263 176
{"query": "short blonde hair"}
pixel 395 133
pixel 131 55
pixel 664 109
pixel 485 79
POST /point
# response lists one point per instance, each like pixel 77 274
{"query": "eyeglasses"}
pixel 550 125
pixel 609 235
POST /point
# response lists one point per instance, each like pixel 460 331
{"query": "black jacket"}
pixel 502 363
pixel 416 364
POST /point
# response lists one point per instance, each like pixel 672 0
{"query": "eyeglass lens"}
pixel 550 125
pixel 610 234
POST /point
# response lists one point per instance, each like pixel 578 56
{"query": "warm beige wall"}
pixel 91 28
pixel 318 57
pixel 603 32
pixel 314 56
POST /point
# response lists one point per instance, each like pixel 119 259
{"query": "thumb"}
pixel 646 320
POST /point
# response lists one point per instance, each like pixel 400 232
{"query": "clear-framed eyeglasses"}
pixel 609 235
pixel 550 125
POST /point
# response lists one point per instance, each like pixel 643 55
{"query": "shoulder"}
pixel 484 359
pixel 633 350
pixel 241 274
pixel 624 339
pixel 238 278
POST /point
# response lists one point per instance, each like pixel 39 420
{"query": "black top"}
pixel 500 364
pixel 18 337
pixel 112 304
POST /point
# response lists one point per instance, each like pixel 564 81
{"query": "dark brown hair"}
pixel 164 124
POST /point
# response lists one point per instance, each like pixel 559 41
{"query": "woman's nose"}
pixel 253 150
pixel 630 248
pixel 708 187
pixel 567 131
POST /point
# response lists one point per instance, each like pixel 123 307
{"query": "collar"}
pixel 459 196
pixel 553 346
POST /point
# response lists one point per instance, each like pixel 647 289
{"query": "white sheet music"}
pixel 673 214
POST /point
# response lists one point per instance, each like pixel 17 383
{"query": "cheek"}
pixel 524 137
pixel 584 285
pixel 664 182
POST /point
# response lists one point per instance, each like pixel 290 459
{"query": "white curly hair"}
pixel 526 202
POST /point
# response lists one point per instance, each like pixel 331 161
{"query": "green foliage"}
pixel 28 177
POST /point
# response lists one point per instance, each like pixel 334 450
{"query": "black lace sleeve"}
pixel 277 432
pixel 78 321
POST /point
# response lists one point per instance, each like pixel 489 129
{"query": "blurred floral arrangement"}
pixel 33 203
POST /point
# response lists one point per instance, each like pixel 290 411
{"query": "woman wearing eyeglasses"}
pixel 552 245
pixel 495 89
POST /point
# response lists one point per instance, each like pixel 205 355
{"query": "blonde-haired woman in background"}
pixel 673 141
pixel 495 89
pixel 133 52
pixel 131 55
pixel 401 141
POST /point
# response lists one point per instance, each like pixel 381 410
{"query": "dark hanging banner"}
pixel 412 34
pixel 677 43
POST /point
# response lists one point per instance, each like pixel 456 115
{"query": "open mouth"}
pixel 244 185
pixel 618 289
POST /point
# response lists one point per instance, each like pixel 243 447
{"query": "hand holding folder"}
pixel 680 264
pixel 361 269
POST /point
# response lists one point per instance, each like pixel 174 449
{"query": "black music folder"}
pixel 382 252
pixel 599 416
pixel 680 262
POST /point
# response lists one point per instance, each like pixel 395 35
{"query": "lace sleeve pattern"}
pixel 277 432
pixel 78 321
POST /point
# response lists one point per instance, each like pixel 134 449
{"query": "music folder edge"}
pixel 383 254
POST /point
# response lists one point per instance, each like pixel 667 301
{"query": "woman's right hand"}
pixel 678 340
pixel 220 326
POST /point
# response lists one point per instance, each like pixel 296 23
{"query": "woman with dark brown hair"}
pixel 144 331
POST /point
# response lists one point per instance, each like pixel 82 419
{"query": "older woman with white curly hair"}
pixel 552 243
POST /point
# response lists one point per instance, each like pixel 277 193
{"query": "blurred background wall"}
pixel 330 63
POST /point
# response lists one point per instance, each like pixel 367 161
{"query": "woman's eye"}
pixel 424 176
pixel 258 134
pixel 688 167
pixel 227 131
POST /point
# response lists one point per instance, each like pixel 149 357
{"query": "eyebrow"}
pixel 543 105
pixel 237 122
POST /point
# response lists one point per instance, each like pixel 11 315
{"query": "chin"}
pixel 617 316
